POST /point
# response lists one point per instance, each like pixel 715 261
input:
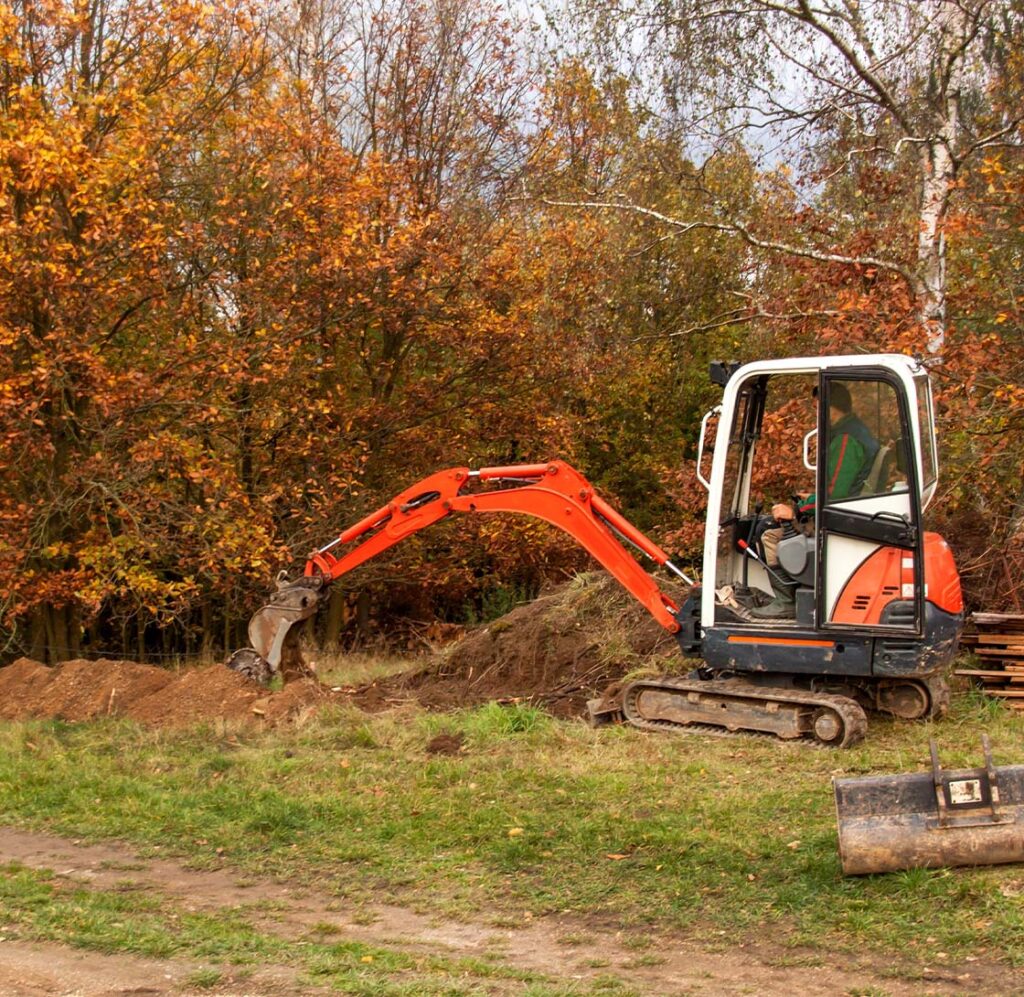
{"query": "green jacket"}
pixel 851 452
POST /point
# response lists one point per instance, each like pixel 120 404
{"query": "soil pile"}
pixel 84 690
pixel 20 685
pixel 558 651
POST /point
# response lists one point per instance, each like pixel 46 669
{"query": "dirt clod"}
pixel 445 744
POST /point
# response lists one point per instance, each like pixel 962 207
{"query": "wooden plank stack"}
pixel 999 643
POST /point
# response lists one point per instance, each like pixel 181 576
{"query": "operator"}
pixel 851 452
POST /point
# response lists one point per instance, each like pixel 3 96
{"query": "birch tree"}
pixel 827 83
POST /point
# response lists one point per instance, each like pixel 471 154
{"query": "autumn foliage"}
pixel 258 273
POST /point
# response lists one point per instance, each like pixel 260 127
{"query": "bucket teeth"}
pixel 252 665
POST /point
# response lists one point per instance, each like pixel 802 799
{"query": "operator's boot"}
pixel 783 605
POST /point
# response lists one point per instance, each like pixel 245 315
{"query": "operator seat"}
pixel 797 556
pixel 798 551
pixel 881 468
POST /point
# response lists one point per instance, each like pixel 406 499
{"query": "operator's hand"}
pixel 782 512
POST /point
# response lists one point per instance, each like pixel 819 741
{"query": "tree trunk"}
pixel 336 607
pixel 206 624
pixel 74 630
pixel 56 635
pixel 363 612
pixel 938 176
pixel 37 635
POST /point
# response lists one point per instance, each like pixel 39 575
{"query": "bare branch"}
pixel 886 98
pixel 992 139
pixel 739 229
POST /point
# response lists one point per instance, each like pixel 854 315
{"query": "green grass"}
pixel 355 668
pixel 205 979
pixel 629 830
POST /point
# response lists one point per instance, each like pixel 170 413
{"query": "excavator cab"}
pixel 875 599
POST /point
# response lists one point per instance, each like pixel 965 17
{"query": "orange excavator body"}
pixel 874 606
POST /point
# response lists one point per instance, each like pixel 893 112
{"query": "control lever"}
pixel 749 551
pixel 753 523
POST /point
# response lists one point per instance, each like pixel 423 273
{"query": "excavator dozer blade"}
pixel 931 819
pixel 274 634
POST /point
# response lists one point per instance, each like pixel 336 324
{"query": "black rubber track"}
pixel 849 712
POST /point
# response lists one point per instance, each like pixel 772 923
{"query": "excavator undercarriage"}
pixel 730 706
pixel 790 707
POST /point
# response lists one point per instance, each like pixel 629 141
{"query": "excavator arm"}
pixel 554 492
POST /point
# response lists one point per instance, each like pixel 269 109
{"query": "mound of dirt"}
pixel 558 651
pixel 21 683
pixel 297 700
pixel 203 694
pixel 84 690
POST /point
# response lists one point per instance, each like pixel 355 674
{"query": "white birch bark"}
pixel 938 169
pixel 938 175
pixel 899 72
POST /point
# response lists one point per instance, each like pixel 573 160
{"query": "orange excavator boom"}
pixel 554 492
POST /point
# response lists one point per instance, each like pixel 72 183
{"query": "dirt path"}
pixel 38 969
pixel 565 949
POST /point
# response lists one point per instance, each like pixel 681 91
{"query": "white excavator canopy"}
pixel 907 386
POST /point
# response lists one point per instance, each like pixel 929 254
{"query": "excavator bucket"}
pixel 273 631
pixel 929 819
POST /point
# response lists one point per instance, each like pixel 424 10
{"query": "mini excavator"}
pixel 876 606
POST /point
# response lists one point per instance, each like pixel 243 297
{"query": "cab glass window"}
pixel 865 447
pixel 926 419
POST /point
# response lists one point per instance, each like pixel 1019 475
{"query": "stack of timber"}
pixel 999 644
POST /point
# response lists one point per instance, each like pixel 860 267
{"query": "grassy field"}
pixel 715 837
